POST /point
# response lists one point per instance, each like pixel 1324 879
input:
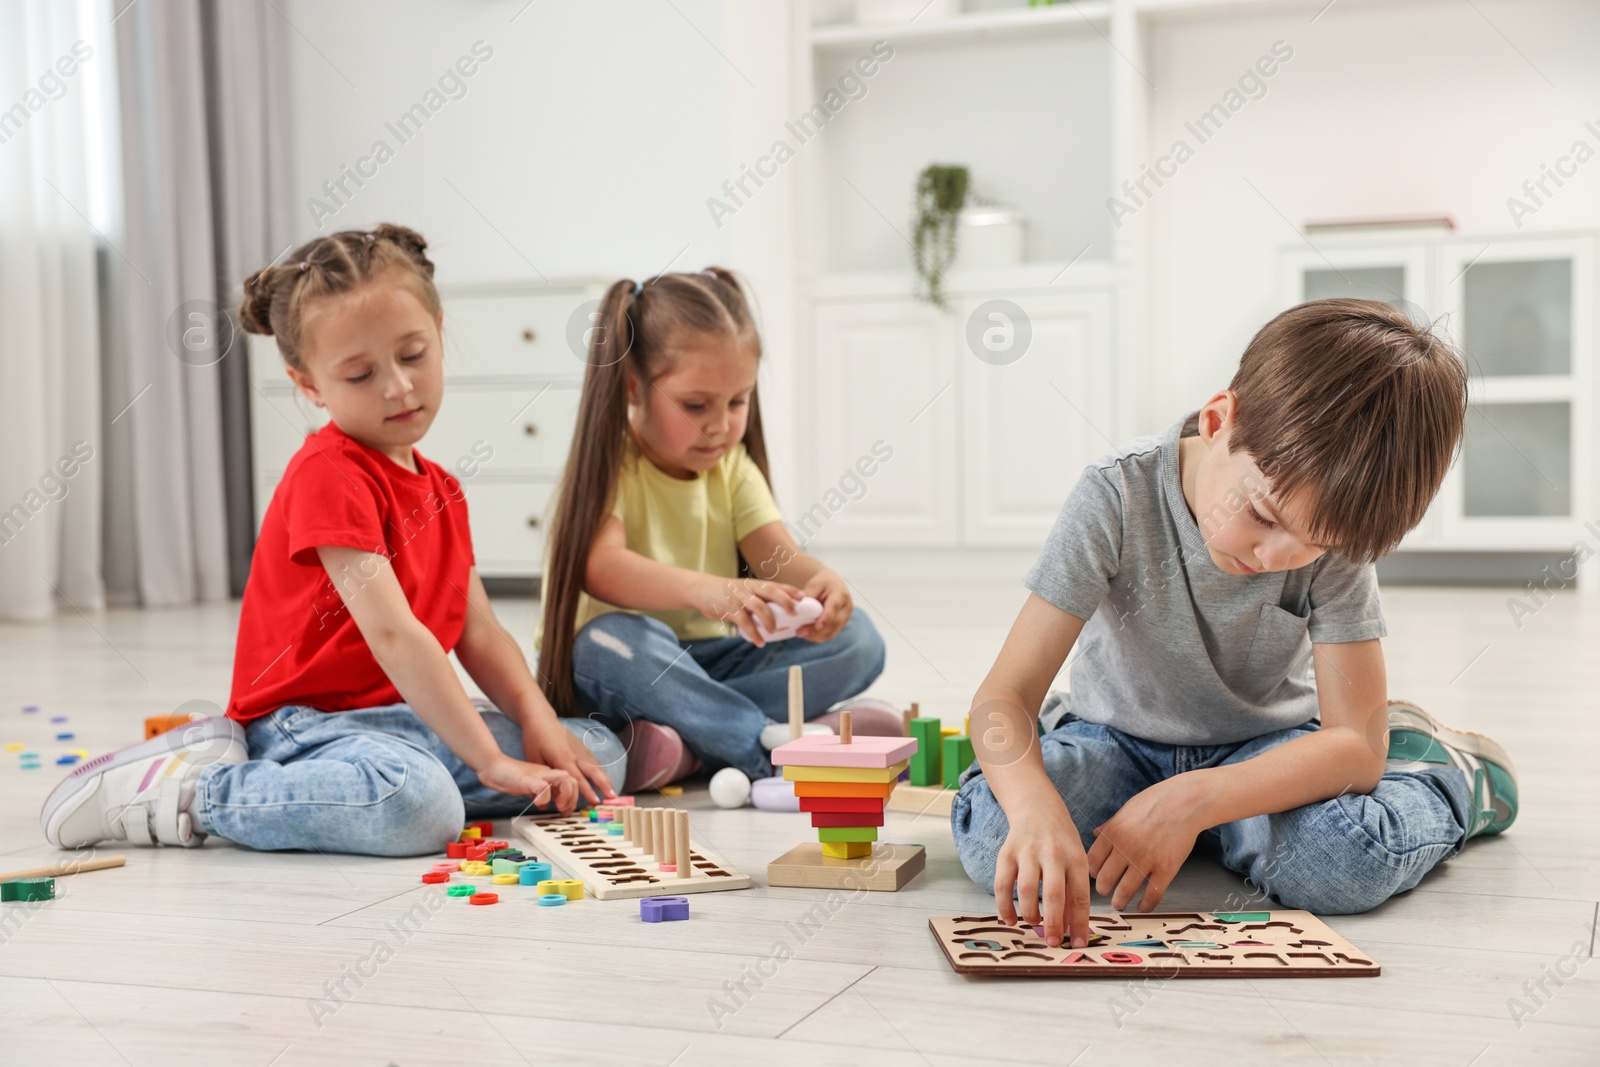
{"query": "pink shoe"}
pixel 869 717
pixel 657 756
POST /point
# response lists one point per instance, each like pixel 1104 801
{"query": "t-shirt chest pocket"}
pixel 1278 649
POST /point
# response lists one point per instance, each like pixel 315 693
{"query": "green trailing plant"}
pixel 941 193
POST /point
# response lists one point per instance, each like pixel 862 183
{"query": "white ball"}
pixel 730 788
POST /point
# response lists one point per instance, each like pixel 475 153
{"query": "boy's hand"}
pixel 1147 840
pixel 829 588
pixel 545 741
pixel 1043 848
pixel 545 785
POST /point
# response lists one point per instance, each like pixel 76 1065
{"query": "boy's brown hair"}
pixel 1355 410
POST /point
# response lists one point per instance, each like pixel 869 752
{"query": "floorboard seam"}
pixel 825 1003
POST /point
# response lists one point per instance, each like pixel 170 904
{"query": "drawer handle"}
pixel 533 521
pixel 528 335
pixel 530 429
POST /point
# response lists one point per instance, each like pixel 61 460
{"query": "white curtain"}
pixel 52 430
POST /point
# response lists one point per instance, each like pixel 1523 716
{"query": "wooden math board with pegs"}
pixel 617 870
pixel 1259 944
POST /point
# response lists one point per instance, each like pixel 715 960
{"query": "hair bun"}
pixel 255 310
pixel 408 239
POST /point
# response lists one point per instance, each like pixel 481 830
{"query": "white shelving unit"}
pixel 511 390
pixel 985 448
pixel 1521 310
pixel 1065 92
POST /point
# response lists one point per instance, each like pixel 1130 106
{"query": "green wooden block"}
pixel 23 889
pixel 826 834
pixel 926 764
pixel 503 866
pixel 957 757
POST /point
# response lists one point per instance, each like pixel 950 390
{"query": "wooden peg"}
pixel 797 703
pixel 668 852
pixel 681 849
pixel 644 841
pixel 846 728
pixel 657 817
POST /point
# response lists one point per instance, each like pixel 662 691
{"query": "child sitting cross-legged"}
pixel 1200 574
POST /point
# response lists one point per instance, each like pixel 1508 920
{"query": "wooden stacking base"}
pixel 922 799
pixel 888 868
pixel 615 870
pixel 1264 944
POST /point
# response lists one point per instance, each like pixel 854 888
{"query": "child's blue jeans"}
pixel 1336 857
pixel 716 693
pixel 376 781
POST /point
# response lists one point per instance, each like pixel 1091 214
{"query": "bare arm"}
pixel 1345 756
pixel 414 661
pixel 495 661
pixel 1151 835
pixel 1043 848
pixel 618 575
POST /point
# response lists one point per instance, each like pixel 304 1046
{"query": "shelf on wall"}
pixel 989 25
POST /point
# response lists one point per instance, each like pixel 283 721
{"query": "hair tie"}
pixel 638 287
pixel 709 273
pixel 370 237
pixel 303 266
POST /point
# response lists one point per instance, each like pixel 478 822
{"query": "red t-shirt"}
pixel 297 641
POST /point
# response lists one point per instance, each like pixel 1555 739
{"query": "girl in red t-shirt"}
pixel 348 729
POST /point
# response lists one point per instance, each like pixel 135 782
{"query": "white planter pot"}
pixel 989 237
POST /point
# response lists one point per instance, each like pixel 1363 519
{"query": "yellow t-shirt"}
pixel 695 524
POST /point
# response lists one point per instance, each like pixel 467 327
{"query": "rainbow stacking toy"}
pixel 844 784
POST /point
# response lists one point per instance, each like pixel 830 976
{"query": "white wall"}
pixel 587 144
pixel 1384 110
pixel 589 140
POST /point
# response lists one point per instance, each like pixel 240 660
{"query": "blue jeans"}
pixel 716 693
pixel 376 781
pixel 1336 857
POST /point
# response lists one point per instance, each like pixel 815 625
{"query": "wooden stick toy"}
pixel 797 703
pixel 58 870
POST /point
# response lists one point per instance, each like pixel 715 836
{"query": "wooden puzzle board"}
pixel 614 870
pixel 1267 944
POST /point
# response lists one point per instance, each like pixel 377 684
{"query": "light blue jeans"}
pixel 376 781
pixel 716 693
pixel 1336 857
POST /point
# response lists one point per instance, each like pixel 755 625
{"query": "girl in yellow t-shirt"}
pixel 666 541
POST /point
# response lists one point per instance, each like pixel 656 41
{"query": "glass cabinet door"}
pixel 1519 313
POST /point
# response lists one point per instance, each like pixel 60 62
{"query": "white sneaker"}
pixel 140 794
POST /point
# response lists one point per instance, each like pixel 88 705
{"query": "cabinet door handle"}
pixel 529 336
pixel 533 521
pixel 530 429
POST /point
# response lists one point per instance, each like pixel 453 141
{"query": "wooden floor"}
pixel 224 956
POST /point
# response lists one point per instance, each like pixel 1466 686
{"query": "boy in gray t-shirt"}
pixel 1200 574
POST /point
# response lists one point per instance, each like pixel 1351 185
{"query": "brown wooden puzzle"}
pixel 618 867
pixel 1254 944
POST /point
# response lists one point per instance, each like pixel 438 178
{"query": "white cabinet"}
pixel 1521 312
pixel 990 412
pixel 1030 426
pixel 510 403
pixel 884 372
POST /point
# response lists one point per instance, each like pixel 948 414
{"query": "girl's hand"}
pixel 831 590
pixel 545 741
pixel 1043 849
pixel 744 600
pixel 545 785
pixel 1147 840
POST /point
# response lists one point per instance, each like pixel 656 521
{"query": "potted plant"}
pixel 941 193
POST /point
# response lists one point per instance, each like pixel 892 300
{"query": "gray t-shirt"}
pixel 1177 650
